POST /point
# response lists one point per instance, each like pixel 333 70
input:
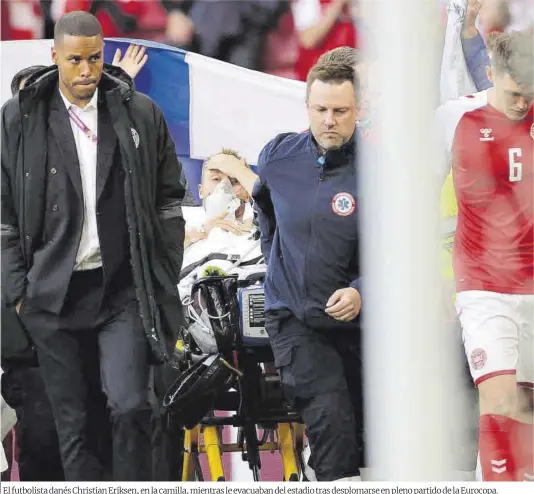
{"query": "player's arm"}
pixel 313 25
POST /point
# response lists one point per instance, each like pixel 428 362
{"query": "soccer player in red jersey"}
pixel 489 137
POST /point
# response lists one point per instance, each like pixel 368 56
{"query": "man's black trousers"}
pixel 321 374
pixel 95 345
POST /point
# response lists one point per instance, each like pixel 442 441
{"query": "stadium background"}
pixel 170 75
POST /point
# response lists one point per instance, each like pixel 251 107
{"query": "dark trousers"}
pixel 38 459
pixel 95 346
pixel 321 374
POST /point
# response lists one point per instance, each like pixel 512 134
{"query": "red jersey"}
pixel 493 173
pixel 341 34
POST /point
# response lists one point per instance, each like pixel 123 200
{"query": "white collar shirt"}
pixel 88 256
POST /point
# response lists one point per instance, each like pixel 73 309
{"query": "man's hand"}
pixel 228 226
pixel 344 305
pixel 237 170
pixel 18 306
pixel 134 60
pixel 473 8
pixel 180 28
pixel 469 29
pixel 227 164
pixel 194 234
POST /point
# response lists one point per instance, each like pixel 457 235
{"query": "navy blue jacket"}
pixel 307 211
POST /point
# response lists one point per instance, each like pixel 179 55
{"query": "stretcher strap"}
pixel 219 257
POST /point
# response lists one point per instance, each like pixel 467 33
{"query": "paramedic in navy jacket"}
pixel 306 201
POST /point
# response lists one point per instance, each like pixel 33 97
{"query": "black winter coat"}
pixel 153 193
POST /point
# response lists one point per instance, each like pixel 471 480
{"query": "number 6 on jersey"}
pixel 515 165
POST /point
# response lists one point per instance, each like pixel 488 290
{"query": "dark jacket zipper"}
pixel 311 236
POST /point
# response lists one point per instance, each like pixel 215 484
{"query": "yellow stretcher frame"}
pixel 288 440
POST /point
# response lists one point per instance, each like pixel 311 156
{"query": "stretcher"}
pixel 254 404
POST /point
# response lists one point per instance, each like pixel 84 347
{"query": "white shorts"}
pixel 498 334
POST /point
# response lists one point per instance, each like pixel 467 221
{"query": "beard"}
pixel 331 143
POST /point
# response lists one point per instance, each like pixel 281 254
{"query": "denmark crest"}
pixel 343 204
pixel 478 358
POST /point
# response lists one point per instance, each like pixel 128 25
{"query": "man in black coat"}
pixel 92 244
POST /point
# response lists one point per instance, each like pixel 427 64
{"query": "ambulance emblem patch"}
pixel 532 131
pixel 343 204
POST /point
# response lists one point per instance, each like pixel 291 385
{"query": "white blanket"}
pixel 218 242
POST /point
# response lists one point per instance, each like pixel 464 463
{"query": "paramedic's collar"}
pixel 336 157
pixel 93 102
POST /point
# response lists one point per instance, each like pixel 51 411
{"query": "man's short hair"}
pixel 21 76
pixel 332 72
pixel 343 54
pixel 77 23
pixel 226 151
pixel 490 41
pixel 513 54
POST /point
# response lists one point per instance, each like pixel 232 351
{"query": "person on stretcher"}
pixel 220 234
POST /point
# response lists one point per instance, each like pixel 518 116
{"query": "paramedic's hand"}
pixel 227 164
pixel 344 305
pixel 18 306
pixel 237 170
pixel 133 61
